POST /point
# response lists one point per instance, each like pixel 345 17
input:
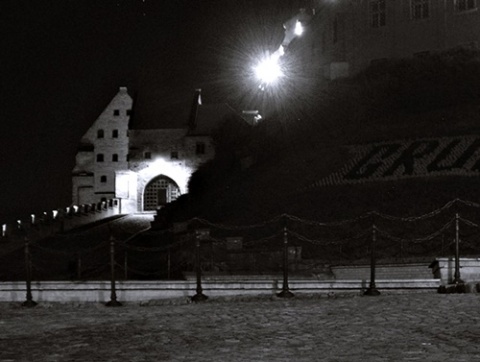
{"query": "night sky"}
pixel 62 61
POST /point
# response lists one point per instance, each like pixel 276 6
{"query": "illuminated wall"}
pixel 102 151
pixel 114 161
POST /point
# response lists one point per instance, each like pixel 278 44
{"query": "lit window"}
pixel 200 149
pixel 100 157
pixel 115 133
pixel 148 155
pixel 420 9
pixel 100 133
pixel 114 157
pixel 174 155
pixel 465 5
pixel 103 179
pixel 377 13
pixel 116 112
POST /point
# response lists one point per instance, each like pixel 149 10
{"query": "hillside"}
pixel 411 110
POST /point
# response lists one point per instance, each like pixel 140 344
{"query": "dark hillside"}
pixel 275 167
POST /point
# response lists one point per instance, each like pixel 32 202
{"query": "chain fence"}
pixel 286 243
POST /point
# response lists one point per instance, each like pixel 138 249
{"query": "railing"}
pixel 285 245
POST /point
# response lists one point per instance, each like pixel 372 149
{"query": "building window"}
pixel 174 155
pixel 103 179
pixel 100 133
pixel 147 155
pixel 377 13
pixel 129 112
pixel 100 157
pixel 128 157
pixel 116 112
pixel 114 157
pixel 200 148
pixel 420 9
pixel 465 5
pixel 115 133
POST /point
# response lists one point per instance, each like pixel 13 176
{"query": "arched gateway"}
pixel 158 192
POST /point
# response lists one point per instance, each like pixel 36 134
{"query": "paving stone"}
pixel 427 327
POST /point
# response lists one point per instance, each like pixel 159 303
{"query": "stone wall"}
pixel 38 227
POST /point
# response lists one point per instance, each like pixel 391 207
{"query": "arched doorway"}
pixel 158 192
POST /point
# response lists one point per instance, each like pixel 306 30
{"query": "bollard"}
pixel 199 297
pixel 372 289
pixel 113 293
pixel 285 293
pixel 28 270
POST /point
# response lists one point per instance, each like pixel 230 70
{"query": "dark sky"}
pixel 63 60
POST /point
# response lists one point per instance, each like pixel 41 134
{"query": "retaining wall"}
pixel 144 291
pixel 444 269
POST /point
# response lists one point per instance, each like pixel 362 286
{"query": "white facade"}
pixel 144 168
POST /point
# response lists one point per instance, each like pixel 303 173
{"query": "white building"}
pixel 143 168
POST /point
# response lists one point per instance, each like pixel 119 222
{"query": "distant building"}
pixel 144 167
pixel 345 36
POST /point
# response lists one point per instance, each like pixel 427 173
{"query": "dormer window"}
pixel 100 133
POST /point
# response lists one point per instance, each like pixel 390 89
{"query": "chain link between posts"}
pixel 362 232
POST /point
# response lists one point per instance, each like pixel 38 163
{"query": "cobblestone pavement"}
pixel 406 327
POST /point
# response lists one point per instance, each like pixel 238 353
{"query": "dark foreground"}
pixel 407 327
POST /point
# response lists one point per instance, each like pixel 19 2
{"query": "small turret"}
pixel 197 101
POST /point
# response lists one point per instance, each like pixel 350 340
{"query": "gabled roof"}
pixel 178 115
pixel 210 117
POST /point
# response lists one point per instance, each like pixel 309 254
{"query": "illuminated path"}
pixel 409 327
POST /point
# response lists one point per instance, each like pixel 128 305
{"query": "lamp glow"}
pixel 269 70
pixel 298 28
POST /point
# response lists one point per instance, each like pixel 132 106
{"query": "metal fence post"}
pixel 199 297
pixel 372 289
pixel 79 266
pixel 456 276
pixel 125 265
pixel 113 293
pixel 285 293
pixel 168 263
pixel 29 302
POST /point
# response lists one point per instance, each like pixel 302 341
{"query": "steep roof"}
pixel 178 115
pixel 211 116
